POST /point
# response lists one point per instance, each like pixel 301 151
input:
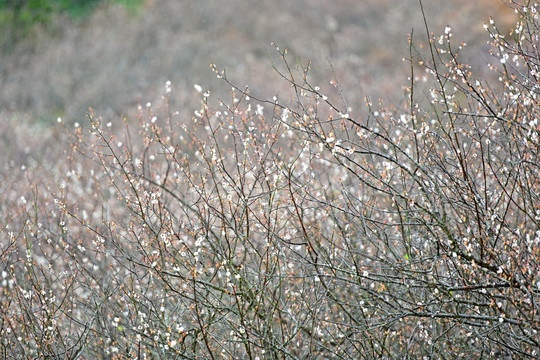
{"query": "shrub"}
pixel 293 228
pixel 19 18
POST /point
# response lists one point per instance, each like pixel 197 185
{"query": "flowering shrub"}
pixel 293 228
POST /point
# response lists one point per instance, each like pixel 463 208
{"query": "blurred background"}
pixel 60 57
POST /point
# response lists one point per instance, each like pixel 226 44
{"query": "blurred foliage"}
pixel 18 18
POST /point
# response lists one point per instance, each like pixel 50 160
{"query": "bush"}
pixel 292 228
pixel 19 18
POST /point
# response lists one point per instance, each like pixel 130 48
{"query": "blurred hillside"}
pixel 115 58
